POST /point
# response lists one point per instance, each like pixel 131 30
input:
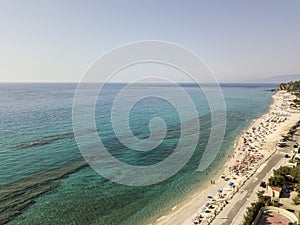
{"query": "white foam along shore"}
pixel 254 147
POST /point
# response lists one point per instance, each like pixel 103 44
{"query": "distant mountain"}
pixel 281 78
pixel 278 79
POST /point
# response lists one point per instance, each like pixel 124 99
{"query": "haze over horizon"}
pixel 56 41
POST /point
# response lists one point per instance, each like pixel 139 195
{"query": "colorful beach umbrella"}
pixel 230 184
pixel 203 208
pixel 209 196
pixel 220 191
pixel 207 204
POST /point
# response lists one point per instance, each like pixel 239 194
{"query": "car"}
pixel 263 184
pixel 281 144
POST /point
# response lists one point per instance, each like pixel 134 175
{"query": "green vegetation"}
pixel 253 210
pixel 291 223
pixel 286 176
pixel 293 86
pixel 283 171
pixel 283 174
pixel 277 180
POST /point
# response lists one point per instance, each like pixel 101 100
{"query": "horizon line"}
pixel 124 82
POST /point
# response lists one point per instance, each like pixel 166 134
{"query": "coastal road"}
pixel 233 212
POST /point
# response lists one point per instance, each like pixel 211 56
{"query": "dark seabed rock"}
pixel 16 196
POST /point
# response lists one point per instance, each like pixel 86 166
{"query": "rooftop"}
pixel 273 218
pixel 276 188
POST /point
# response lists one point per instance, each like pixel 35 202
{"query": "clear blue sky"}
pixel 57 40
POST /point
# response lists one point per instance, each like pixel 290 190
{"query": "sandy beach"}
pixel 254 146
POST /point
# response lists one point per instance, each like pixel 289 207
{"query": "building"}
pixel 272 215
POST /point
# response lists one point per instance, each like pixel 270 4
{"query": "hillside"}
pixel 292 86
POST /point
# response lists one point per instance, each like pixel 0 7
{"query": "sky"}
pixel 58 40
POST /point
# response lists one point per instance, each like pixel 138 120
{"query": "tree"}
pixel 283 170
pixel 277 180
pixel 253 210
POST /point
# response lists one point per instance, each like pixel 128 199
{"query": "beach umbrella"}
pixel 230 184
pixel 207 204
pixel 203 208
pixel 209 196
pixel 220 191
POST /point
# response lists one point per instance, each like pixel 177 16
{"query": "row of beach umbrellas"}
pixel 211 197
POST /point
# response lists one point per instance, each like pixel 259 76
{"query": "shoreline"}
pixel 190 206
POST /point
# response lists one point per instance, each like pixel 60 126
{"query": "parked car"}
pixel 263 184
pixel 281 144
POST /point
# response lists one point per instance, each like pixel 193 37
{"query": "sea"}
pixel 36 135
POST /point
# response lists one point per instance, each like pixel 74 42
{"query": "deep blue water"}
pixel 33 113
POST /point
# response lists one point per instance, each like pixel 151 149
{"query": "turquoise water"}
pixel 33 112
